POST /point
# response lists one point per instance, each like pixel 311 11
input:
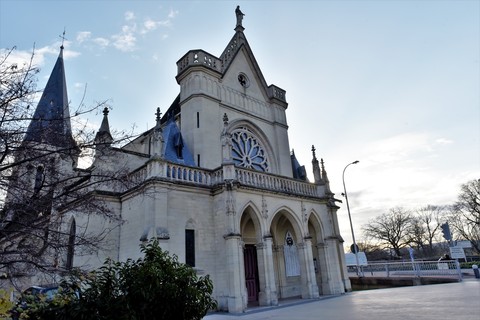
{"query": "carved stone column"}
pixel 324 281
pixel 336 282
pixel 309 281
pixel 237 300
pixel 268 289
pixel 156 217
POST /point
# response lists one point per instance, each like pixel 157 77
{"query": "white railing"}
pixel 275 183
pixel 444 268
pixel 177 172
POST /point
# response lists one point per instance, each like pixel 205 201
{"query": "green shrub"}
pixel 5 303
pixel 157 287
pixel 468 265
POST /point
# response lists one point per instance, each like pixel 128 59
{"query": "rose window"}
pixel 247 151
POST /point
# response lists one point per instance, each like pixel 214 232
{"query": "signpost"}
pixel 457 253
pixel 350 260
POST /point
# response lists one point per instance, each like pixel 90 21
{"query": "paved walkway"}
pixel 459 301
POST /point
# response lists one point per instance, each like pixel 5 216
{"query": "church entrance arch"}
pixel 250 231
pixel 251 273
pixel 319 254
pixel 287 243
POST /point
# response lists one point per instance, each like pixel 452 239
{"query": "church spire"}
pixel 51 121
pixel 324 176
pixel 316 168
pixel 103 135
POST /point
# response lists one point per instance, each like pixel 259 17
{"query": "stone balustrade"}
pixel 198 58
pixel 274 183
pixel 159 168
pixel 276 92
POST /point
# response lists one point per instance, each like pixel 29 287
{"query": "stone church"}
pixel 216 184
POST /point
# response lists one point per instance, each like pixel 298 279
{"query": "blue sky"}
pixel 394 84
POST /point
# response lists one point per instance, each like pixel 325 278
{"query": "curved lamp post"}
pixel 355 248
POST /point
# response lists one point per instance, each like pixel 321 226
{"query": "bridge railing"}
pixel 444 268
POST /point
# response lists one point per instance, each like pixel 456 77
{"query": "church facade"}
pixel 217 185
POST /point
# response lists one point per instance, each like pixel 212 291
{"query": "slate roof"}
pixel 51 120
pixel 175 150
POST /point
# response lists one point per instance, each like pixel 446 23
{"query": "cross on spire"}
pixel 63 38
pixel 158 114
pixel 313 152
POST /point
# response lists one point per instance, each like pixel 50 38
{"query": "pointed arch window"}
pixel 39 178
pixel 190 247
pixel 248 151
pixel 71 245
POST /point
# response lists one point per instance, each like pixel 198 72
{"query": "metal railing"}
pixel 444 268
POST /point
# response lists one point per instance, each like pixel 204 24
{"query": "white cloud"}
pixel 102 42
pixel 172 14
pixel 150 24
pixel 443 141
pixel 129 15
pixel 21 57
pixel 37 56
pixel 83 36
pixel 124 41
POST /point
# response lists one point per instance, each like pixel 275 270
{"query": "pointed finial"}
pixel 293 152
pixel 105 111
pixel 225 119
pixel 158 114
pixel 322 164
pixel 313 152
pixel 63 38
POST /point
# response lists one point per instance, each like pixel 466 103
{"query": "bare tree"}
pixel 464 216
pixel 34 197
pixel 392 229
pixel 424 228
pixel 373 251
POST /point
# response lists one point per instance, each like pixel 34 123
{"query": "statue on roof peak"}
pixel 240 15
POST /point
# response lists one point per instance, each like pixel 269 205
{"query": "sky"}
pixel 392 84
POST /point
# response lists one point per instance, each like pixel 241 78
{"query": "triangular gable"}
pixel 238 45
pixel 194 59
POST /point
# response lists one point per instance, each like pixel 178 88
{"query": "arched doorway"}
pixel 287 241
pixel 250 231
pixel 319 254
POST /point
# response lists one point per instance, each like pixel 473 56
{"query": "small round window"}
pixel 243 80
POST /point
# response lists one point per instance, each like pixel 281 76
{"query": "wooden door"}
pixel 251 272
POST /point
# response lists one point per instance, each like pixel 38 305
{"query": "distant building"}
pixel 217 185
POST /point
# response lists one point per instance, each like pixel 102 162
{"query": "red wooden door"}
pixel 251 272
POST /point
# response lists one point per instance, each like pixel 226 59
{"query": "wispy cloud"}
pixel 83 36
pixel 129 15
pixel 38 55
pixel 443 141
pixel 127 38
pixel 172 14
pixel 102 42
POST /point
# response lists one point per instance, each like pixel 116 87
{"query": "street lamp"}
pixel 355 248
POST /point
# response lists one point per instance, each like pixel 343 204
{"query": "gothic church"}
pixel 217 185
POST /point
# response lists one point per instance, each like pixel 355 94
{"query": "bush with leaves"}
pixel 156 287
pixel 5 303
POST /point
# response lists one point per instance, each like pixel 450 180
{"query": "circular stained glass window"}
pixel 247 151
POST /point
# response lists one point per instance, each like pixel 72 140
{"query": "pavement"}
pixel 459 301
